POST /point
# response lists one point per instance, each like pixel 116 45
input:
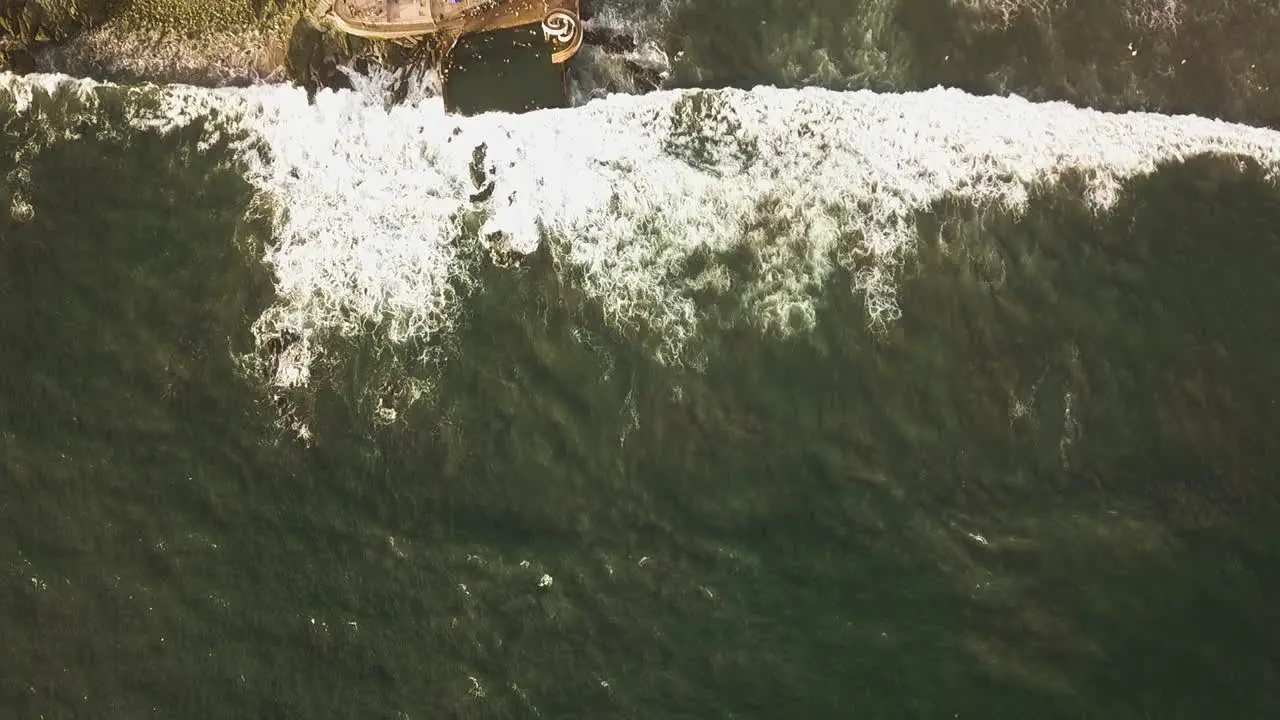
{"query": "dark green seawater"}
pixel 1047 490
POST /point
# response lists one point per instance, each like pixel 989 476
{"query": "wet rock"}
pixel 478 174
pixel 609 39
pixel 31 22
pixel 17 60
pixel 481 177
pixel 646 79
pixel 28 25
pixel 484 193
pixel 314 56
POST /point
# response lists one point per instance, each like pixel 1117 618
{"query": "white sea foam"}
pixel 17 91
pixel 628 189
pixel 374 201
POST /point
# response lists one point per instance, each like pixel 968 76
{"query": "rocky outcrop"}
pixel 207 42
pixel 198 42
pixel 28 25
pixel 31 21
pixel 317 53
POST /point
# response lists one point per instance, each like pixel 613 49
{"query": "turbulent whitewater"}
pixel 640 199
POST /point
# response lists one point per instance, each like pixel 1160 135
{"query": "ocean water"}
pixel 693 404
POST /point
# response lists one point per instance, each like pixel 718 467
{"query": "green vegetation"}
pixel 194 41
pixel 28 21
pixel 202 16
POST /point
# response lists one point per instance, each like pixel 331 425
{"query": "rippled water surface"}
pixel 699 403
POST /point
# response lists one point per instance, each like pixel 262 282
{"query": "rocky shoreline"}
pixel 209 43
pixel 1203 57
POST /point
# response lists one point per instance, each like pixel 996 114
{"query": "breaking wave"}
pixel 659 206
pixel 645 198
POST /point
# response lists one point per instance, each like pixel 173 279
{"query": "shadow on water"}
pixel 1045 491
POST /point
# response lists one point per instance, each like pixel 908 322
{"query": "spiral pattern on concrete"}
pixel 563 30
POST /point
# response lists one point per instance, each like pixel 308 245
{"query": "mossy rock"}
pixel 30 22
